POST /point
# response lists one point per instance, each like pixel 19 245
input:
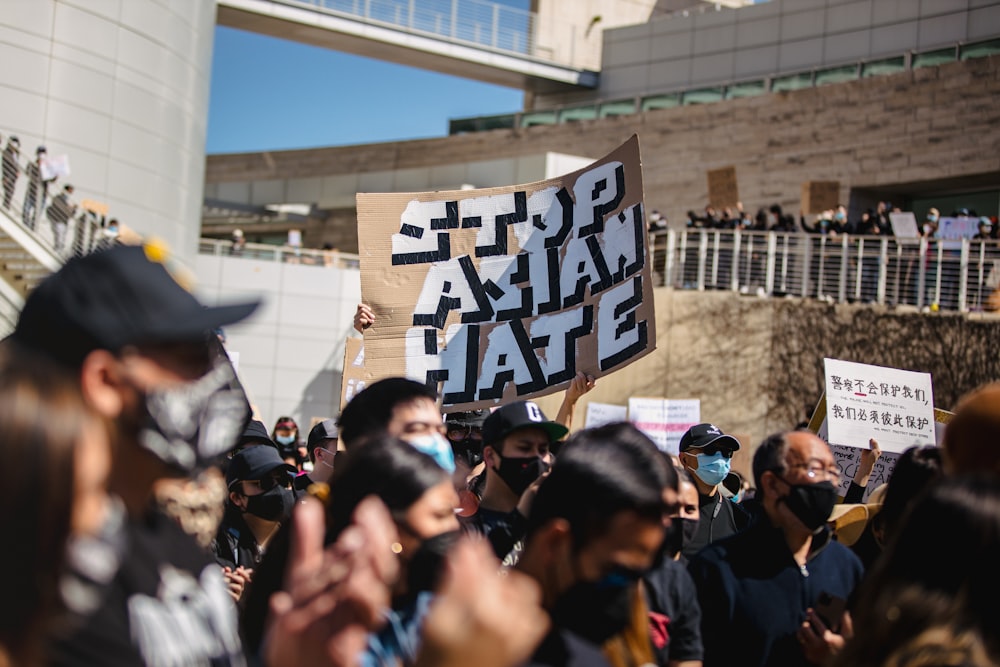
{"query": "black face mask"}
pixel 595 610
pixel 520 472
pixel 676 537
pixel 427 563
pixel 273 505
pixel 811 503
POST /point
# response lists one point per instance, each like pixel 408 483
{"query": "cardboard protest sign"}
pixel 722 188
pixel 904 225
pixel 599 414
pixel 664 420
pixel 353 378
pixel 505 293
pixel 894 406
pixel 819 196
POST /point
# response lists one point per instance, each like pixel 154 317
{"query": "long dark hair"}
pixel 933 592
pixel 385 467
pixel 42 414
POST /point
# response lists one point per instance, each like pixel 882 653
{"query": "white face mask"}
pixel 332 454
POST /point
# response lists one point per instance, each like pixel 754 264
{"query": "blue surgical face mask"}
pixel 712 468
pixel 284 439
pixel 839 215
pixel 437 447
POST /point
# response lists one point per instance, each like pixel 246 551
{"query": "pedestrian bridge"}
pixel 478 40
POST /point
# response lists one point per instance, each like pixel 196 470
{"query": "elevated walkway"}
pixel 477 40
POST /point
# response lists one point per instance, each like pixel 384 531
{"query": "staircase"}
pixel 19 268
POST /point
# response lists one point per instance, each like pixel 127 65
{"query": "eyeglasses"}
pixel 711 450
pixel 817 471
pixel 459 433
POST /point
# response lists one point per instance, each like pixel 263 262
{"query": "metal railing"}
pixel 953 275
pixel 26 200
pixel 482 24
pixel 274 253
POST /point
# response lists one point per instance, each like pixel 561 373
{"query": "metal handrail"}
pixel 934 274
pixel 274 253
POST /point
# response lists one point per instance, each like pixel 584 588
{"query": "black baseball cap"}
pixel 702 435
pixel 113 298
pixel 321 432
pixel 255 463
pixel 507 419
pixel 473 418
pixel 256 433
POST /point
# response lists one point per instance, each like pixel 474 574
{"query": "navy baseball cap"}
pixel 255 463
pixel 521 414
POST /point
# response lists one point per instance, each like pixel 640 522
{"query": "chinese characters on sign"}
pixel 893 406
pixel 502 294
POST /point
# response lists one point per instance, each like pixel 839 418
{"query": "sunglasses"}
pixel 712 450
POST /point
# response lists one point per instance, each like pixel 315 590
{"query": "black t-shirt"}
pixel 504 530
pixel 674 614
pixel 719 517
pixel 165 604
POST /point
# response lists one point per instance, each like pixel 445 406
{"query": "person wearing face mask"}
pixel 516 442
pixel 706 453
pixel 674 614
pixel 286 437
pixel 260 498
pixel 421 500
pixel 596 526
pixel 141 348
pixel 322 446
pixel 768 595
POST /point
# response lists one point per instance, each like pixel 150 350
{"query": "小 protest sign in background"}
pixel 505 293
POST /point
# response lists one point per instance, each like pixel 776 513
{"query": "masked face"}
pixel 186 424
pixel 712 468
pixel 811 503
pixel 427 563
pixel 597 610
pixel 520 472
pixel 437 447
pixel 273 505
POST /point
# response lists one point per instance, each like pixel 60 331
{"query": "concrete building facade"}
pixel 121 87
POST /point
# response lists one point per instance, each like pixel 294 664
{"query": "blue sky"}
pixel 269 94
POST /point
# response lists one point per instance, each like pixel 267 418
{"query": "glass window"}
pixel 463 125
pixel 661 102
pixel 538 118
pixel 880 67
pixel 932 58
pixel 577 113
pixel 505 122
pixel 702 96
pixel 745 89
pixel 791 82
pixel 617 108
pixel 836 75
pixel 981 49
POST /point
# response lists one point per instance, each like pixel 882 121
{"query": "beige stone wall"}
pixel 886 132
pixel 757 364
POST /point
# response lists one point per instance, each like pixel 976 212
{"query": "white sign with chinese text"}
pixel 664 420
pixel 895 407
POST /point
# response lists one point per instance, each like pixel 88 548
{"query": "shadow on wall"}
pixel 320 398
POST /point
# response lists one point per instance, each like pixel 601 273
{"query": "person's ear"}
pixel 491 456
pixel 770 484
pixel 238 500
pixel 689 460
pixel 101 381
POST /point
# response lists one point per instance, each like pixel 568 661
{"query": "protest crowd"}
pixel 151 521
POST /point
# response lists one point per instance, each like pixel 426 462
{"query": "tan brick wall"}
pixel 920 125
